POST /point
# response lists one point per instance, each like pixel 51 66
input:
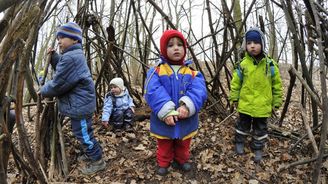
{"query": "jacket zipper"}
pixel 176 91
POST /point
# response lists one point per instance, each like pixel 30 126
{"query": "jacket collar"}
pixel 73 47
pixel 255 61
pixel 164 60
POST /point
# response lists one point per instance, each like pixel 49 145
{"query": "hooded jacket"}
pixel 255 87
pixel 72 84
pixel 165 89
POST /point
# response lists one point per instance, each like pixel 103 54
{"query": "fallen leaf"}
pixel 237 178
pixel 252 181
pixel 325 164
pixel 285 157
pixel 140 147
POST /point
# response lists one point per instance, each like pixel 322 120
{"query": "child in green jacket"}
pixel 257 90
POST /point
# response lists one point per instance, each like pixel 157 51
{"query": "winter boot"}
pixel 258 156
pixel 83 158
pixel 184 167
pixel 239 148
pixel 117 128
pixel 128 127
pixel 162 171
pixel 92 167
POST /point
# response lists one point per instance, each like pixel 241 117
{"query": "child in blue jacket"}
pixel 118 107
pixel 73 86
pixel 175 93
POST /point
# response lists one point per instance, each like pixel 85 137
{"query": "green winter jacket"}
pixel 256 87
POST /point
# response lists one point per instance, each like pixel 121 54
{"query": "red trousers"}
pixel 169 149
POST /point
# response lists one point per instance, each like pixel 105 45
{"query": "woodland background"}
pixel 121 38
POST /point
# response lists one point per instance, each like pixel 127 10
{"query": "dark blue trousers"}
pixel 121 117
pixel 259 131
pixel 84 133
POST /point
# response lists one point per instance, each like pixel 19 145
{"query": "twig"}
pixel 303 137
pixel 244 171
pixel 226 118
pixel 62 147
pixel 34 104
pixel 307 87
pixel 44 173
pixel 308 129
pixel 208 107
pixel 279 130
pixel 2 136
pixel 300 162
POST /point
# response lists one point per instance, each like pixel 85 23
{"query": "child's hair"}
pixel 167 35
pixel 70 30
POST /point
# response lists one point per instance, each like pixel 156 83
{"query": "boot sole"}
pixel 103 167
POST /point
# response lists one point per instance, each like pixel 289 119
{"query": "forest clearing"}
pixel 131 156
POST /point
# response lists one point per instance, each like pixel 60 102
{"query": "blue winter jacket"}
pixel 122 102
pixel 72 83
pixel 165 90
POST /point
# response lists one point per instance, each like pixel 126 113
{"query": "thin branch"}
pixel 312 94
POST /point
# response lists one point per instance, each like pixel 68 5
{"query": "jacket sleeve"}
pixel 196 93
pixel 235 86
pixel 54 60
pixel 156 95
pixel 276 87
pixel 130 101
pixel 65 78
pixel 107 110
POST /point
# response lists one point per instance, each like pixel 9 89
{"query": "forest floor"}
pixel 131 157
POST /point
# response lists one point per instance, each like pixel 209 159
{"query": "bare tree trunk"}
pixel 324 127
pixel 20 87
pixel 309 131
pixel 301 53
pixel 4 4
pixel 237 17
pixel 273 48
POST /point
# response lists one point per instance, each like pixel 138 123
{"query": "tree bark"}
pixel 324 128
pixel 4 4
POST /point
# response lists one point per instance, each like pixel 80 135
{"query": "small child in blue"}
pixel 118 107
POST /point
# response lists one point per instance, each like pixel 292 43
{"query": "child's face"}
pixel 115 90
pixel 64 42
pixel 175 49
pixel 253 48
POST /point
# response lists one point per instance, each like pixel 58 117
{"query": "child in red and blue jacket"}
pixel 175 93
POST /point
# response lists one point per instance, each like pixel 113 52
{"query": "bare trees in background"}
pixel 121 39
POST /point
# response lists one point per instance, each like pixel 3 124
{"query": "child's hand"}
pixel 183 112
pixel 38 92
pixel 50 50
pixel 105 124
pixel 170 120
